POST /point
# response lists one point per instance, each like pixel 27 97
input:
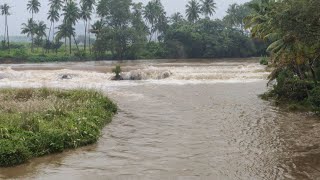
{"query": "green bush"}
pixel 12 152
pixel 117 71
pixel 20 53
pixel 315 98
pixel 264 61
pixel 293 89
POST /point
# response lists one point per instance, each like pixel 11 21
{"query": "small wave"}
pixel 146 75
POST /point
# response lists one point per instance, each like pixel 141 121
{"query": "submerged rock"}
pixel 66 76
pixel 165 75
pixel 115 78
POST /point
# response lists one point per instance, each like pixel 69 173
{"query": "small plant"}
pixel 264 60
pixel 117 71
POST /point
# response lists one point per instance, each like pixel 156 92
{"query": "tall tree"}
pixel 123 32
pixel 29 28
pixel 85 16
pixel 176 18
pixel 87 7
pixel 40 32
pixel 193 10
pixel 208 7
pixel 5 12
pixel 63 33
pixel 155 15
pixel 236 15
pixel 33 7
pixel 53 15
pixel 71 14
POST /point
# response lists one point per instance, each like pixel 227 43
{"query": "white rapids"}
pixel 98 75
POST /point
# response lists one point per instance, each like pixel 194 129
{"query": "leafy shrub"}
pixel 12 152
pixel 290 87
pixel 117 71
pixel 294 89
pixel 315 98
pixel 264 60
pixel 20 53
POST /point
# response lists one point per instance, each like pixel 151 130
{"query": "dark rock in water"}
pixel 115 78
pixel 166 75
pixel 66 76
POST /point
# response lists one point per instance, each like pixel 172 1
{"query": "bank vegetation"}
pixel 37 122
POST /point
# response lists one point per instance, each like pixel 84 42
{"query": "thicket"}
pixel 292 29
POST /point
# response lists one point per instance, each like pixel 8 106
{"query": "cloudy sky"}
pixel 20 14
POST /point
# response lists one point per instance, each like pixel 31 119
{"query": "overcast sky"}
pixel 19 13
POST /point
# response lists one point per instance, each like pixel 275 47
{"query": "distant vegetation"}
pixel 36 122
pixel 127 30
pixel 292 29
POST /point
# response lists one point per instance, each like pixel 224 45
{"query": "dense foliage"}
pixel 123 32
pixel 36 122
pixel 128 30
pixel 292 28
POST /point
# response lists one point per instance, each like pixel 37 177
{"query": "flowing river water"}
pixel 177 120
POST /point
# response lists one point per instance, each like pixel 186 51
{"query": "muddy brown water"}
pixel 182 120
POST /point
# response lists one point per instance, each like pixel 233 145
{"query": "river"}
pixel 178 119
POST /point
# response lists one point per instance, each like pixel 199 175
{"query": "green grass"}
pixel 37 122
pixel 23 54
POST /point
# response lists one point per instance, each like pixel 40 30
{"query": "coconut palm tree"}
pixel 87 8
pixel 5 12
pixel 155 15
pixel 56 4
pixel 208 7
pixel 193 10
pixel 53 15
pixel 33 7
pixel 71 15
pixel 40 32
pixel 85 15
pixel 63 32
pixel 29 28
pixel 176 17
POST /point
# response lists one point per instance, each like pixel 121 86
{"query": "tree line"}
pixel 128 30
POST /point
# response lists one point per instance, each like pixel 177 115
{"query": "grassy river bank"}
pixel 37 122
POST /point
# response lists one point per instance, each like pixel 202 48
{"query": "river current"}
pixel 178 119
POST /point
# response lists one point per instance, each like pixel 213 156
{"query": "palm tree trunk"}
pixel 85 35
pixel 89 36
pixel 65 45
pixel 70 44
pixel 5 30
pixel 48 38
pixel 53 31
pixel 49 32
pixel 75 41
pixel 53 35
pixel 32 33
pixel 7 34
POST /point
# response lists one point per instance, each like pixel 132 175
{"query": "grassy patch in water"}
pixel 37 122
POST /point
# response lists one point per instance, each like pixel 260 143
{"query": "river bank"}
pixel 37 122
